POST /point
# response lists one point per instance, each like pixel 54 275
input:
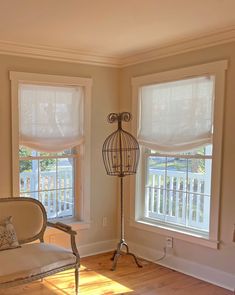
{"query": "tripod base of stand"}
pixel 117 253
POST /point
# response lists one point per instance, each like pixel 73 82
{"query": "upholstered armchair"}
pixel 23 221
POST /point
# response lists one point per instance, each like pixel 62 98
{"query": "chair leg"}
pixel 76 280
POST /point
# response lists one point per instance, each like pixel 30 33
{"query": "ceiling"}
pixel 114 29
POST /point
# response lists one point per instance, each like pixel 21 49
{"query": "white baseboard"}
pixel 97 248
pixel 199 271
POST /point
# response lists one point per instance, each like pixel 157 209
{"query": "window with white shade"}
pixel 50 117
pixel 50 133
pixel 179 126
pixel 177 115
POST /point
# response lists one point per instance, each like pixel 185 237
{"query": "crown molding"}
pixel 218 37
pixel 58 54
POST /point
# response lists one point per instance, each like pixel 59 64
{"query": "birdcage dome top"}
pixel 120 149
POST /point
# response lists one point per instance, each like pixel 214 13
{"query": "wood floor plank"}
pixel 96 278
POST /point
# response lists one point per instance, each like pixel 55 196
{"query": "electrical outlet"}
pixel 169 242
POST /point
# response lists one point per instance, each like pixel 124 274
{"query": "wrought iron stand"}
pixel 122 242
pixel 121 155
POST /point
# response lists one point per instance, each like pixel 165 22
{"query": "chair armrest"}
pixel 67 229
pixel 61 226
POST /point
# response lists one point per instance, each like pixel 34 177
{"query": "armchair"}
pixel 32 261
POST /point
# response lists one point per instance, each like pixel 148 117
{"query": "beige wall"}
pixel 105 92
pixel 108 86
pixel 224 258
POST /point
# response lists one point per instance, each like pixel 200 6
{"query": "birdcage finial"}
pixel 119 117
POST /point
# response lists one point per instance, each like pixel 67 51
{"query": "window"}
pixel 50 138
pixel 179 126
pixel 49 178
pixel 178 188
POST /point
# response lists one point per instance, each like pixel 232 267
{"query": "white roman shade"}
pixel 177 116
pixel 50 117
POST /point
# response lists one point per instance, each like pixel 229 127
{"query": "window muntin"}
pixel 49 178
pixel 178 188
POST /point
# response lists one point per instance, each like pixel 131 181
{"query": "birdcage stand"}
pixel 122 243
pixel 121 155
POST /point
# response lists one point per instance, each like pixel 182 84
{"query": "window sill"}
pixel 75 224
pixel 175 233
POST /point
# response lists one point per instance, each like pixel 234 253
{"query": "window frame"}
pixel 82 189
pixel 218 69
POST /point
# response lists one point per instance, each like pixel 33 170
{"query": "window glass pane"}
pixel 33 195
pixel 199 176
pixel 27 178
pixel 50 179
pixel 155 185
pixel 65 172
pixel 199 211
pixel 196 165
pixel 27 152
pixel 65 202
pixel 47 174
pixel 175 184
pixel 178 189
pixel 176 164
pixel 156 171
pixel 203 151
pixel 24 152
pixel 64 153
pixel 157 163
pixel 48 199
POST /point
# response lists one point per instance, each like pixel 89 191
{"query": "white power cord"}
pixel 163 256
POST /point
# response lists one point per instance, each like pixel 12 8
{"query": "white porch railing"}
pixel 178 198
pixel 53 189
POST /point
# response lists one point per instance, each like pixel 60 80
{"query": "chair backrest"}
pixel 28 217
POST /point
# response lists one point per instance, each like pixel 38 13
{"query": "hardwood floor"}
pixel 97 279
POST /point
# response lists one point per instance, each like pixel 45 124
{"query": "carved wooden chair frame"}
pixel 58 225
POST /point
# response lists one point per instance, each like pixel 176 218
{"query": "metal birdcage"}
pixel 120 149
pixel 121 156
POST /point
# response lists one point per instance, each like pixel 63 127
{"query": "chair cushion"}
pixel 32 259
pixel 8 238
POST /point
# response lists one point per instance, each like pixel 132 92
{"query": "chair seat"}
pixel 33 259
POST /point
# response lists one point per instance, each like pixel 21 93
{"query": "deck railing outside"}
pixel 176 197
pixel 53 189
pixel 179 198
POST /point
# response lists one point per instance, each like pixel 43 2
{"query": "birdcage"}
pixel 121 156
pixel 120 149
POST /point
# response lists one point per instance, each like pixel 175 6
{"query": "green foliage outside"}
pixel 26 165
pixel 179 164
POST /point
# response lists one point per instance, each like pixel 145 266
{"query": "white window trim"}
pixel 218 69
pixel 83 193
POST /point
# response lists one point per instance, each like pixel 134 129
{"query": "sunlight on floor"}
pixel 91 282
